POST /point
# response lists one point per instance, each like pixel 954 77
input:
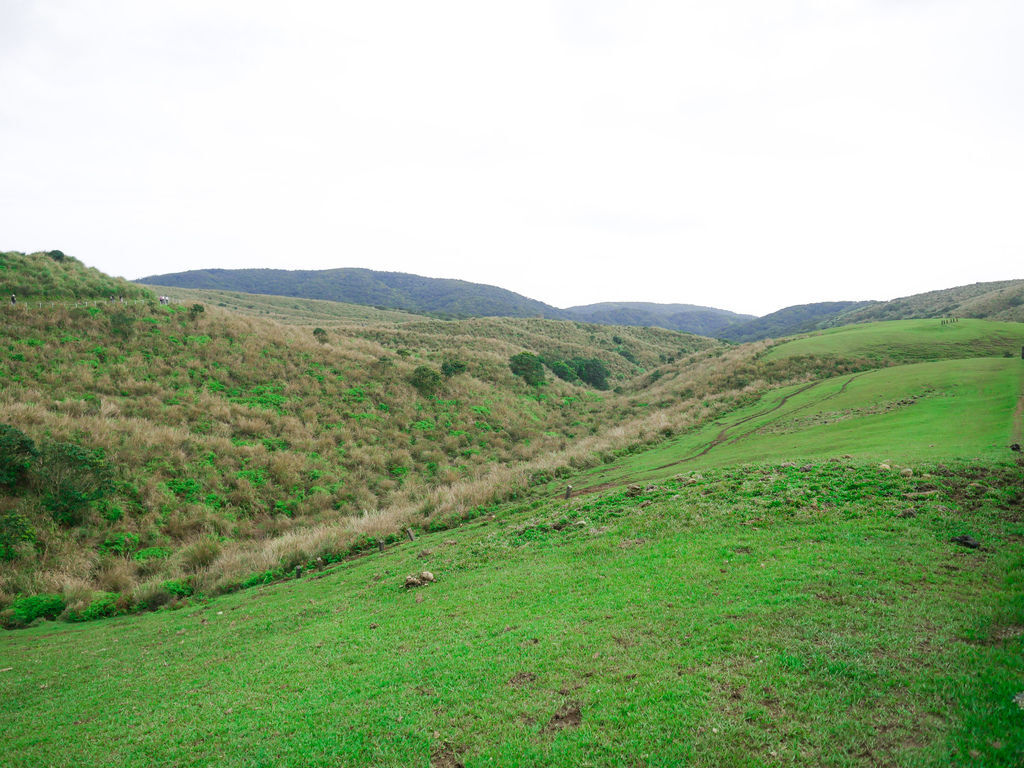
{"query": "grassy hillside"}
pixel 816 560
pixel 739 619
pixel 909 413
pixel 393 290
pixel 1003 300
pixel 706 321
pixel 286 309
pixel 911 340
pixel 147 444
pixel 55 276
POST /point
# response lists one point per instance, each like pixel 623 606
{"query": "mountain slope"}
pixel 1002 300
pixel 436 296
pixel 706 321
pixel 799 318
pixel 394 290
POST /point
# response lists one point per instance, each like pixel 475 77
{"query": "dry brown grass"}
pixel 166 406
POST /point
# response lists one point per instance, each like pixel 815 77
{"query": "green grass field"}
pixel 907 413
pixel 764 617
pixel 911 340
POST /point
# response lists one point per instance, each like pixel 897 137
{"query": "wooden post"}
pixel 380 545
pixel 298 571
pixel 409 532
pixel 568 491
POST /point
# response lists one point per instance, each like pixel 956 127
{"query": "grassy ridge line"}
pixel 911 341
pixel 53 275
pixel 764 616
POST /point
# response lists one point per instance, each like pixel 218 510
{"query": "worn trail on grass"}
pixel 724 434
pixel 719 439
pixel 808 404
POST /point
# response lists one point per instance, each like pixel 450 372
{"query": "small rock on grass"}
pixel 418 580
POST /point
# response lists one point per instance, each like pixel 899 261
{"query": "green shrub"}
pixel 120 543
pixel 453 367
pixel 592 372
pixel 266 577
pixel 72 477
pixel 25 610
pixel 15 530
pixel 102 604
pixel 320 335
pixel 562 370
pixel 151 553
pixel 185 488
pixel 178 588
pixel 425 380
pixel 17 452
pixel 527 366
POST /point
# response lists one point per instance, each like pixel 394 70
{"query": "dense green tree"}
pixel 529 367
pixel 591 371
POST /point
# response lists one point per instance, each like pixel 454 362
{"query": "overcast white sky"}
pixel 742 154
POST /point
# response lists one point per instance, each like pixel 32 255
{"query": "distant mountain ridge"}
pixel 394 290
pixel 443 297
pixel 706 321
pixel 1001 300
pixel 800 318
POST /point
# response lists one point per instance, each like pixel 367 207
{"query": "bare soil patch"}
pixel 569 715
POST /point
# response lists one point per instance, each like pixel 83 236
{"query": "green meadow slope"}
pixel 769 616
pixel 806 554
pixel 910 340
pixel 963 405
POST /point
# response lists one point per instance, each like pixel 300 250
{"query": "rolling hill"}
pixel 801 318
pixel 706 321
pixel 391 290
pixel 354 536
pixel 826 573
pixel 1002 300
pixel 434 296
